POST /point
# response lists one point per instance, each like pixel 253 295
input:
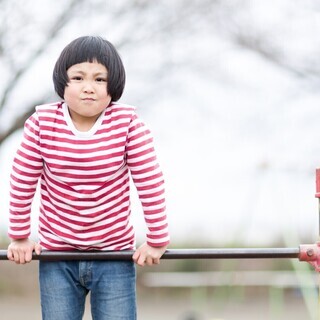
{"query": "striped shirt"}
pixel 85 181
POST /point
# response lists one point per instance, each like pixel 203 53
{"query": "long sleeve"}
pixel 26 170
pixel 149 182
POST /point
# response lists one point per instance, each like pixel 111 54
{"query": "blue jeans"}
pixel 65 284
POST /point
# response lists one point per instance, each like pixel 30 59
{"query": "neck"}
pixel 83 124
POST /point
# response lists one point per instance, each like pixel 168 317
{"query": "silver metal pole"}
pixel 229 253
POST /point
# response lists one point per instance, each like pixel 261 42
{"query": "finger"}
pixel 21 256
pixel 10 255
pixel 37 249
pixel 141 261
pixel 28 256
pixel 16 257
pixel 149 261
pixel 135 256
pixel 22 259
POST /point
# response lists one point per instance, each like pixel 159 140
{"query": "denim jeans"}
pixel 64 286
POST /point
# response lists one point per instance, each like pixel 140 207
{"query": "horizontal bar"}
pixel 229 253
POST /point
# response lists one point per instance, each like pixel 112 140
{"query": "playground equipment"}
pixel 306 252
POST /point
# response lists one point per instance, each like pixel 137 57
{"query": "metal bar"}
pixel 229 253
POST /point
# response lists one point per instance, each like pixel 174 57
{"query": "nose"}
pixel 88 87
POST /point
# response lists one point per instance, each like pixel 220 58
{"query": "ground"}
pixel 17 307
pixel 19 299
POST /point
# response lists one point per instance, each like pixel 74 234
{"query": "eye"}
pixel 101 80
pixel 76 78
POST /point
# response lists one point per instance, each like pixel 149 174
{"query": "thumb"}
pixel 9 254
pixel 37 248
pixel 136 255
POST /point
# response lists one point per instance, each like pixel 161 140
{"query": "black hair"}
pixel 91 49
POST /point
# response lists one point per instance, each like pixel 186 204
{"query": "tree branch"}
pixel 57 26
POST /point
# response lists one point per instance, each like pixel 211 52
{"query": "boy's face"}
pixel 86 93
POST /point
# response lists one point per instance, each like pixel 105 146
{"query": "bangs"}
pixel 87 50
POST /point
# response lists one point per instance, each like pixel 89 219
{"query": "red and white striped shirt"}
pixel 84 180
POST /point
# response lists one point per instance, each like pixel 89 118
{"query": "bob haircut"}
pixel 91 49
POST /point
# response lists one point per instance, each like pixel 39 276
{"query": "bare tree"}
pixel 138 23
pixel 16 73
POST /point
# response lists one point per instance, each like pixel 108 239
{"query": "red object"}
pixel 318 183
pixel 311 253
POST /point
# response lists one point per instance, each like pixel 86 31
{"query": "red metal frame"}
pixel 311 253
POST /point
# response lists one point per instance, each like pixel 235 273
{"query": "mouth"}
pixel 88 99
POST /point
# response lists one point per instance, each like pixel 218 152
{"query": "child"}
pixel 82 150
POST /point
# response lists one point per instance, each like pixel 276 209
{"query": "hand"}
pixel 20 251
pixel 146 254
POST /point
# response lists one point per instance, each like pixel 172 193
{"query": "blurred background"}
pixel 230 90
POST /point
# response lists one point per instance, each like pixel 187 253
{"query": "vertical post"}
pixel 318 196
